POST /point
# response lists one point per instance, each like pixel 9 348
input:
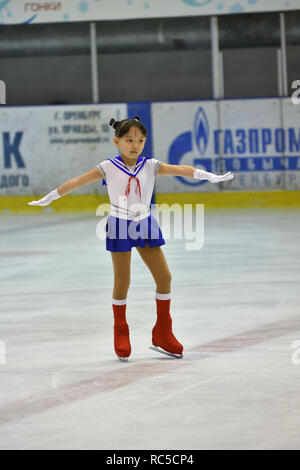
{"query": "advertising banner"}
pixel 41 147
pixel 182 135
pixel 257 139
pixel 290 140
pixel 26 12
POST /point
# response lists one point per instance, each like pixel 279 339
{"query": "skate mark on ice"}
pixel 121 377
pixel 107 381
pixel 21 228
pixel 168 397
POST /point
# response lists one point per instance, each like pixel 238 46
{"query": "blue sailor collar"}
pixel 119 158
pixel 118 162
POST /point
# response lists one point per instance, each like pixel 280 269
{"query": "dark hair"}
pixel 122 127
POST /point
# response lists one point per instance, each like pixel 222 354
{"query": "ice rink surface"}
pixel 235 307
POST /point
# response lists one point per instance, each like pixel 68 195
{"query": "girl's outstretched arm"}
pixel 189 171
pixel 78 181
pixel 70 185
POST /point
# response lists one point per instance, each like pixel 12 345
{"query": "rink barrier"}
pixel 234 199
pixel 79 202
pixel 220 200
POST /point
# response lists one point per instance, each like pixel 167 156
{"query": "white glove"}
pixel 211 177
pixel 45 201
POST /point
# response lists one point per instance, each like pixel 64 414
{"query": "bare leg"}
pixel 121 264
pixel 163 339
pixel 155 259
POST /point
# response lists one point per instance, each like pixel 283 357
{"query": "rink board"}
pixel 41 147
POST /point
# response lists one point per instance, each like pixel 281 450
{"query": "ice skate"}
pixel 164 341
pixel 123 359
pixel 122 342
pixel 163 351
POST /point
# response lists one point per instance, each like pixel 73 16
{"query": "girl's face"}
pixel 131 144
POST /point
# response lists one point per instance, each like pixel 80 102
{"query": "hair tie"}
pixel 136 118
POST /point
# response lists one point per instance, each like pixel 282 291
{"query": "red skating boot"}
pixel 121 332
pixel 163 339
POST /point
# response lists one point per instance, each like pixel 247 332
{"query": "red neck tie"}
pixel 138 187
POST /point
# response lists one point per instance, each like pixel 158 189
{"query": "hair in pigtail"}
pixel 114 123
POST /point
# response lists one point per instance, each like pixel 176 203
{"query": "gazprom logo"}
pixel 201 131
pixel 193 143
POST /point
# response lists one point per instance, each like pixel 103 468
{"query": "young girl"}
pixel 130 182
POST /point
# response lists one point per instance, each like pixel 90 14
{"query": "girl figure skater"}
pixel 130 181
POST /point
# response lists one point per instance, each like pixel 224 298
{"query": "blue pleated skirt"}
pixel 123 235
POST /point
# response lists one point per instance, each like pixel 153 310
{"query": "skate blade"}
pixel 123 359
pixel 163 351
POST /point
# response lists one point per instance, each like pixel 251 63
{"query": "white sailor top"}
pixel 129 188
